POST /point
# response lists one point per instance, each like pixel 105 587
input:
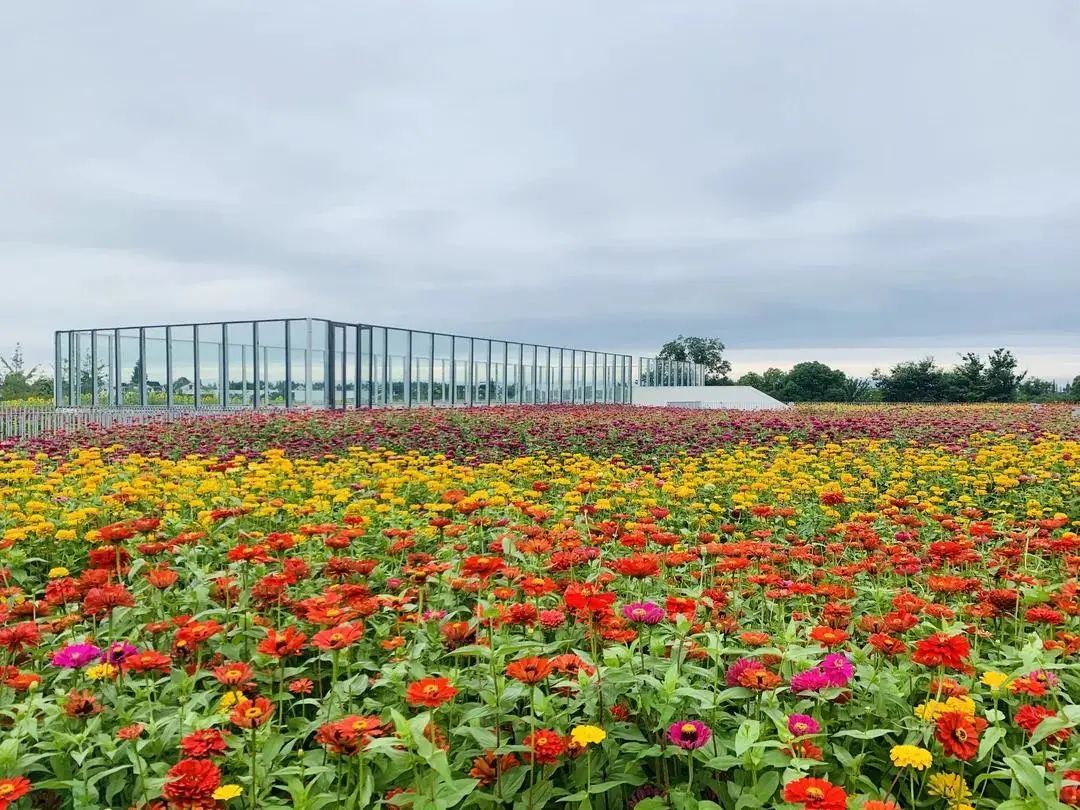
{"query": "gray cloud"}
pixel 834 175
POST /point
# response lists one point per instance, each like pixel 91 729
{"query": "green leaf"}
pixel 746 736
pixel 869 734
pixel 1031 778
pixel 991 738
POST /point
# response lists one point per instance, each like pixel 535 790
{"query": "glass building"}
pixel 315 362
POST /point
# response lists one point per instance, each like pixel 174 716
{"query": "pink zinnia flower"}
pixel 802 725
pixel 75 656
pixel 643 612
pixel 689 734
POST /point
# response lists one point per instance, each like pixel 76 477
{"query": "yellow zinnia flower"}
pixel 949 786
pixel 995 680
pixel 228 699
pixel 226 792
pixel 586 735
pixel 101 671
pixel 59 571
pixel 911 756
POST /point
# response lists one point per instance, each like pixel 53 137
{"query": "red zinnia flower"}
pixel 1029 716
pixel 191 783
pixel 815 794
pixel 202 744
pixel 12 789
pixel 941 650
pixel 337 638
pixel 529 670
pixel 430 692
pixel 959 734
pixel 547 746
pixel 290 642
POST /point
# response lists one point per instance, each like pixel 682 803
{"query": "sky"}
pixel 853 181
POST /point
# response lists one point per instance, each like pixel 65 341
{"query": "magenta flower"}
pixel 689 734
pixel 643 612
pixel 837 668
pixel 735 671
pixel 812 680
pixel 802 725
pixel 75 656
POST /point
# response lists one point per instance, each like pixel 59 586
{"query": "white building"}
pixel 735 397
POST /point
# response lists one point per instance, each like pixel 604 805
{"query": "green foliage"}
pixel 708 352
pixel 17 382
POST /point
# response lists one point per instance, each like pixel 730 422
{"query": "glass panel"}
pixel 543 371
pixel 420 370
pixel 298 361
pixel 481 379
pixel 378 365
pixel 589 377
pixel 209 363
pixel 397 349
pixel 350 367
pixel 319 329
pixel 441 369
pixel 157 377
pixel 272 362
pixel 497 372
pixel 182 383
pixel 513 372
pixel 555 381
pixel 337 366
pixel 106 368
pixel 63 366
pixel 84 370
pixel 130 367
pixel 528 374
pixel 567 375
pixel 365 366
pixel 462 372
pixel 241 342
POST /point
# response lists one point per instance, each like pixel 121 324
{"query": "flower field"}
pixel 822 608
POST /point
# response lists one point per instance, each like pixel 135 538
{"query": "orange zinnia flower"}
pixel 430 692
pixel 529 670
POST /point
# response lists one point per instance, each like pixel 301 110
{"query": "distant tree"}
pixel 136 372
pixel 769 382
pixel 16 381
pixel 709 352
pixel 1034 389
pixel 1074 389
pixel 921 381
pixel 858 389
pixel 1002 381
pixel 813 382
pixel 967 381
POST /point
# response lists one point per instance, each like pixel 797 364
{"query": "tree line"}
pixel 995 378
pixel 17 382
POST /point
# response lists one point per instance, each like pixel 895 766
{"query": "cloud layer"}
pixel 835 175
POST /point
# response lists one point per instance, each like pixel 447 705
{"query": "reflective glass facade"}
pixel 313 362
pixel 653 371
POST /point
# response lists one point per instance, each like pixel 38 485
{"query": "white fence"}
pixel 29 422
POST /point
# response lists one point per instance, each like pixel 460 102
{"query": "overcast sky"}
pixel 846 180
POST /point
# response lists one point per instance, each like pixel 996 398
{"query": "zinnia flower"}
pixel 689 734
pixel 802 725
pixel 959 733
pixel 643 612
pixel 191 782
pixel 529 670
pixel 942 650
pixel 911 756
pixel 75 656
pixel 430 692
pixel 12 789
pixel 587 735
pixel 815 794
pixel 948 786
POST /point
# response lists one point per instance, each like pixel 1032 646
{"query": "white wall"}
pixel 736 397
